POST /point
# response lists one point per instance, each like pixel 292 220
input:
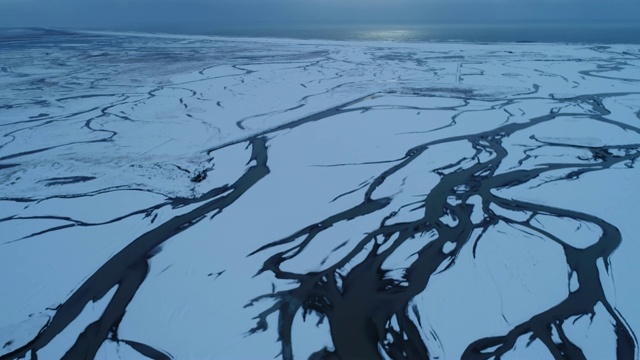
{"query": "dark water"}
pixel 607 33
pixel 590 33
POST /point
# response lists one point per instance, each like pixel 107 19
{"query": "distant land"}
pixel 547 32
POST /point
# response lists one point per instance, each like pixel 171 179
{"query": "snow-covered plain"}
pixel 173 197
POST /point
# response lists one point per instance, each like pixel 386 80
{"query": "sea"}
pixel 559 32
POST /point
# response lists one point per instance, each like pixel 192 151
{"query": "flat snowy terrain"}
pixel 170 197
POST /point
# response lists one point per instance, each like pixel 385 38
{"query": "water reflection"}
pixel 544 32
pixel 389 35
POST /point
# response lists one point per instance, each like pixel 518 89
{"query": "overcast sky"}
pixel 138 14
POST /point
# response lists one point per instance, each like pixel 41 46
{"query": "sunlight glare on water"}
pixel 388 35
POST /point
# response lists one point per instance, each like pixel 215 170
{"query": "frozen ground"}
pixel 203 198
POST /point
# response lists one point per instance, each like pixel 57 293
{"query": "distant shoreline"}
pixel 392 37
pixel 572 33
